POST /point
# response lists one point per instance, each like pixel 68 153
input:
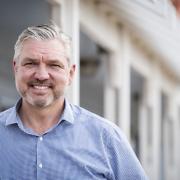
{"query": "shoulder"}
pixel 101 130
pixel 116 145
pixel 98 123
pixel 4 115
pixel 84 115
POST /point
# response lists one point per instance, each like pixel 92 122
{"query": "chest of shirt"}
pixel 57 155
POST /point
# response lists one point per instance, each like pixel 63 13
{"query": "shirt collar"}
pixel 13 117
pixel 67 114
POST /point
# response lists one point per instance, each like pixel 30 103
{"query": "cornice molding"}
pixel 98 25
pixel 158 7
pixel 158 30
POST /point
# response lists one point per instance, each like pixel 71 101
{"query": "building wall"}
pixel 158 82
pixel 157 118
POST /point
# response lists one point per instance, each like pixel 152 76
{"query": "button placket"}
pixel 39 156
pixel 40 165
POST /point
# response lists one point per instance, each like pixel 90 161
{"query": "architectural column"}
pixel 125 69
pixel 118 86
pixel 154 101
pixel 66 14
pixel 109 103
pixel 112 87
pixel 174 153
pixel 178 134
pixel 145 130
pixel 150 124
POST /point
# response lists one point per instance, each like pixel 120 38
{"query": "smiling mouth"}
pixel 40 87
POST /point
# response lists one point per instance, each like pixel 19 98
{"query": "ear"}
pixel 14 66
pixel 71 73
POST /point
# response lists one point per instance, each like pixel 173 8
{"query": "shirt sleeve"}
pixel 122 160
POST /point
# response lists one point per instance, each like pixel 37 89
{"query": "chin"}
pixel 40 103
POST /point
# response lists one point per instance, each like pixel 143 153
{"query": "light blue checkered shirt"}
pixel 82 146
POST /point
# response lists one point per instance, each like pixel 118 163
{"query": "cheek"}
pixel 62 79
pixel 22 76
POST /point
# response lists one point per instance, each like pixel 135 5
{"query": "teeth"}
pixel 41 87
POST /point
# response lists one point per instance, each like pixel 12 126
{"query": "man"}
pixel 44 137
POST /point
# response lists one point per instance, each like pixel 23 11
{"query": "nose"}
pixel 41 73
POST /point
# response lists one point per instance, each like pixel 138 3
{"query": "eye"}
pixel 30 64
pixel 56 66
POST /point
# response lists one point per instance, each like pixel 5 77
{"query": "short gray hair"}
pixel 43 32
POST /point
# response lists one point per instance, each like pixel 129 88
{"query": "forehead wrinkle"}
pixel 44 60
pixel 51 49
pixel 55 53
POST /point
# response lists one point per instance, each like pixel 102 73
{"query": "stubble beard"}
pixel 40 102
pixel 43 102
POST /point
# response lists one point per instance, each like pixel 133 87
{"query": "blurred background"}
pixel 127 54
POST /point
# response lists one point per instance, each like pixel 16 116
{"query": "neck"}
pixel 41 119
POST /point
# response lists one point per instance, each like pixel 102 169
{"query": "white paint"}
pixel 66 14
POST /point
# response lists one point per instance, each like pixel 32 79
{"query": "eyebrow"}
pixel 54 61
pixel 30 60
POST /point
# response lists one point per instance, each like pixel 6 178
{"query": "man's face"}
pixel 42 72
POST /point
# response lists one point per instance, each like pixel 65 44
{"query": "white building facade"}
pixel 127 55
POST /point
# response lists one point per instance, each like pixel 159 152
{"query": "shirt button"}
pixel 41 138
pixel 40 165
